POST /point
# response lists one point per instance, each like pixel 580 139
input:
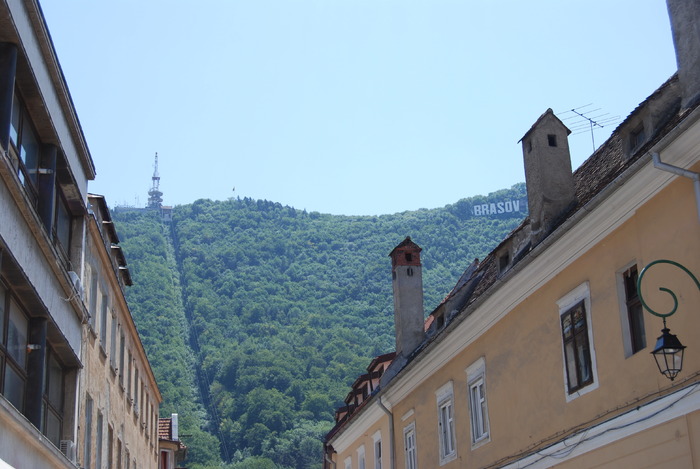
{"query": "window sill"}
pixel 450 457
pixel 481 441
pixel 581 391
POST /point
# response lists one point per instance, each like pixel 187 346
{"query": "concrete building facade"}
pixel 76 388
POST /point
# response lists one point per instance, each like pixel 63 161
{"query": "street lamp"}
pixel 668 352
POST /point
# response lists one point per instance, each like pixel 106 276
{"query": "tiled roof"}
pixel 165 427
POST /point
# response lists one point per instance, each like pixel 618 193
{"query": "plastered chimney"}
pixel 685 24
pixel 407 281
pixel 548 176
pixel 175 429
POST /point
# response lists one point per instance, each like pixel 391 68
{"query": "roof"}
pixel 165 432
pixel 545 114
pixel 165 428
pixel 608 163
pixel 406 243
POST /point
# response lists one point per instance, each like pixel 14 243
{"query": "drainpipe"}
pixel 331 463
pixel 680 172
pixel 391 432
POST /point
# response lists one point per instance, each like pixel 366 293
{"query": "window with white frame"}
pixel 478 411
pixel 361 457
pixel 577 342
pixel 348 463
pixel 631 313
pixel 446 424
pixel 409 445
pixel 377 439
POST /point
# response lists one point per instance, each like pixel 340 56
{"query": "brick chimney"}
pixel 685 24
pixel 407 282
pixel 548 176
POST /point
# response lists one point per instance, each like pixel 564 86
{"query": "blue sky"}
pixel 355 107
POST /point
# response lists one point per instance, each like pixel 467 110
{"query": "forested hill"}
pixel 257 317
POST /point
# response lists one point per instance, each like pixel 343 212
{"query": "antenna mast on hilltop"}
pixel 155 196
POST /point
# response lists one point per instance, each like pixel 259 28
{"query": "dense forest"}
pixel 257 317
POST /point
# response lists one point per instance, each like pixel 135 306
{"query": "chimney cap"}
pixel 406 243
pixel 547 114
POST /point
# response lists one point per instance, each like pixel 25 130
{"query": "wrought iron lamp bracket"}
pixel 663 289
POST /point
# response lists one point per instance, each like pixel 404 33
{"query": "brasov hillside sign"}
pixel 498 208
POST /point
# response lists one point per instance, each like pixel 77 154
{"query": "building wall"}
pixel 121 385
pixel 516 330
pixel 41 245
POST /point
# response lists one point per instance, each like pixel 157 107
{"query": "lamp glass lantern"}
pixel 668 354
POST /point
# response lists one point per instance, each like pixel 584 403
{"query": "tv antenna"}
pixel 584 120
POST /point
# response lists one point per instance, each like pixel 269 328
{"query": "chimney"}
pixel 548 176
pixel 175 427
pixel 407 280
pixel 685 24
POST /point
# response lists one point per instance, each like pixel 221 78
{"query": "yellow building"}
pixel 540 355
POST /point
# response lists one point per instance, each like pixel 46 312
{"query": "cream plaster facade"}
pixel 520 398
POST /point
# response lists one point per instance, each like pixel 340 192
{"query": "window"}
pixel 409 445
pixel 121 359
pixel 53 399
pixel 478 411
pixel 136 391
pixel 579 355
pixel 119 453
pixel 361 458
pixel 637 137
pixel 110 449
pixel 15 352
pixel 377 438
pixel 503 262
pixel 103 323
pixel 92 299
pixel 552 140
pixel 24 146
pixel 98 441
pixel 632 315
pixel 446 424
pixel 128 375
pixel 113 344
pixel 348 463
pixel 87 464
pixel 62 224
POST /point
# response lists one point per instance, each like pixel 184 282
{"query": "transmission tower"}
pixel 155 196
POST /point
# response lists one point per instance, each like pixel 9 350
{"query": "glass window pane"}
pixel 14 388
pixel 63 221
pixel 29 150
pixel 2 313
pixel 571 365
pixel 17 334
pixel 55 384
pixel 14 127
pixel 53 427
